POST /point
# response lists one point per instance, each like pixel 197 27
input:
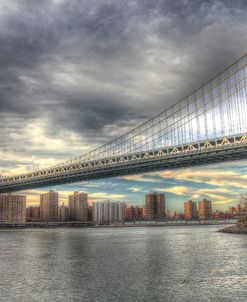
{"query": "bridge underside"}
pixel 208 126
pixel 204 153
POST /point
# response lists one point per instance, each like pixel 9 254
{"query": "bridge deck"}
pixel 199 153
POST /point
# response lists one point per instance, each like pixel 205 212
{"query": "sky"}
pixel 76 74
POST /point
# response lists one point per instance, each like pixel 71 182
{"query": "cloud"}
pixel 104 196
pixel 225 203
pixel 135 189
pixel 218 194
pixel 215 177
pixel 177 190
pixel 140 178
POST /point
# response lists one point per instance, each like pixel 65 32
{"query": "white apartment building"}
pixel 108 211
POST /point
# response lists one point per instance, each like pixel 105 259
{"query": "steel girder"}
pixel 210 152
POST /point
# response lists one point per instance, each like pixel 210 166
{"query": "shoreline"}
pixel 38 225
pixel 239 228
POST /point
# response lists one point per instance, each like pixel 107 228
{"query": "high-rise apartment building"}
pixel 204 209
pixel 107 211
pixel 78 207
pixel 133 213
pixel 63 213
pixel 32 214
pixel 190 210
pixel 155 206
pixel 49 206
pixel 12 208
pixel 90 212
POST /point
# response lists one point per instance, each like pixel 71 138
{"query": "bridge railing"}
pixel 158 154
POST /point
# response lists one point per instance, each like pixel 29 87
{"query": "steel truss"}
pixel 200 153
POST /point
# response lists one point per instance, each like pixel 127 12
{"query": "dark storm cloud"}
pixel 96 68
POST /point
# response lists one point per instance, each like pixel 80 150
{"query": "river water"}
pixel 192 263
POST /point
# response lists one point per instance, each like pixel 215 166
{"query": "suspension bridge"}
pixel 208 126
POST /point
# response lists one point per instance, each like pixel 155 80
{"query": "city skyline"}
pixel 79 209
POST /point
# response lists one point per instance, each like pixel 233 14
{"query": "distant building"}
pixel 12 208
pixel 239 208
pixel 140 213
pixel 63 213
pixel 155 206
pixel 49 206
pixel 133 213
pixel 32 214
pixel 78 207
pixel 204 209
pixel 190 210
pixel 108 211
pixel 90 213
pixel 221 215
pixel 144 211
pixel 243 201
pixel 176 215
pixel 237 212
